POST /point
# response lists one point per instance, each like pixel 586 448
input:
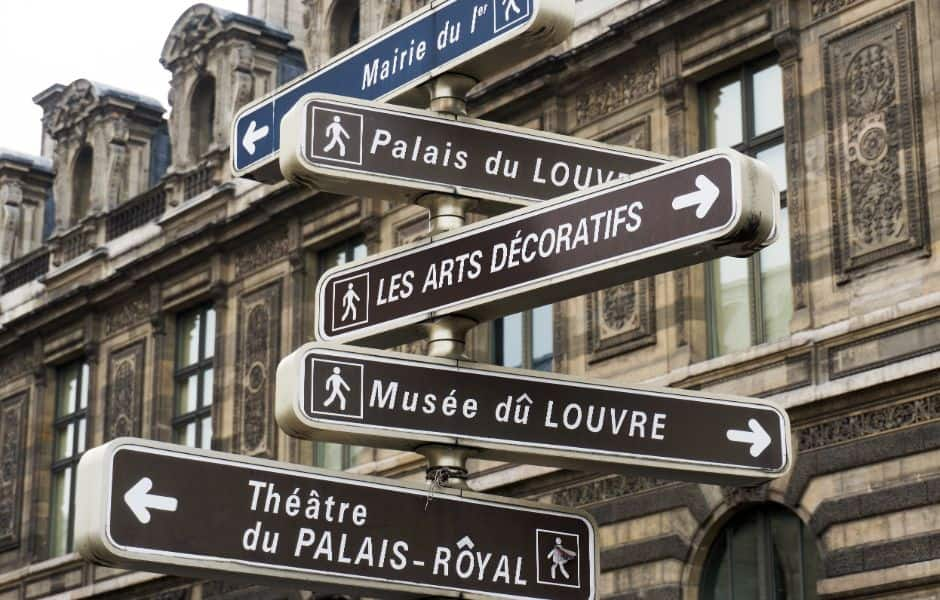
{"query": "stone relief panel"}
pixel 623 317
pixel 614 94
pixel 12 449
pixel 261 253
pixel 131 312
pixel 125 392
pixel 259 326
pixel 876 171
pixel 824 8
pixel 14 366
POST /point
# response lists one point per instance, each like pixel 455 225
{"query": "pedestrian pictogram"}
pixel 335 385
pixel 350 308
pixel 335 389
pixel 350 300
pixel 560 555
pixel 336 133
pixel 339 136
pixel 559 558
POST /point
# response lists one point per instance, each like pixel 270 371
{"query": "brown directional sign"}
pixel 160 507
pixel 713 204
pixel 393 400
pixel 355 146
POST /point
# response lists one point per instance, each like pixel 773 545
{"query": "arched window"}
pixel 81 182
pixel 344 25
pixel 201 117
pixel 764 553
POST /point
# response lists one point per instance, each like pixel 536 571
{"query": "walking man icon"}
pixel 511 7
pixel 336 133
pixel 559 555
pixel 350 298
pixel 335 385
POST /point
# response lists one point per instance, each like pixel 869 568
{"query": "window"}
pixel 749 299
pixel 201 117
pixel 71 417
pixel 344 25
pixel 525 340
pixel 81 182
pixel 765 553
pixel 328 454
pixel 195 351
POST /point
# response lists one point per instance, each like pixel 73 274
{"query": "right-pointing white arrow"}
pixel 140 500
pixel 757 437
pixel 252 135
pixel 703 198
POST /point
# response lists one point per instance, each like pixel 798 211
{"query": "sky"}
pixel 118 42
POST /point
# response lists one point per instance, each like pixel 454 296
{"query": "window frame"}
pixel 750 145
pixel 528 338
pixel 199 368
pixel 79 446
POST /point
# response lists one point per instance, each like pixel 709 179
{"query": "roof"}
pixel 40 163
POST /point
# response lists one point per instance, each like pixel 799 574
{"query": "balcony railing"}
pixel 136 212
pixel 198 181
pixel 24 269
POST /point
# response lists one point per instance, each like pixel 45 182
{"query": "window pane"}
pixel 186 434
pixel 186 394
pixel 509 345
pixel 65 440
pixel 768 100
pixel 776 289
pixel 731 305
pixel 207 384
pixel 724 115
pixel 210 333
pixel 746 559
pixel 328 455
pixel 83 392
pixel 359 455
pixel 716 575
pixel 542 338
pixel 59 512
pixel 206 433
pixel 359 252
pixel 188 339
pixel 775 158
pixel 785 549
pixel 81 435
pixel 67 390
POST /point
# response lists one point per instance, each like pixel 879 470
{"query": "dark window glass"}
pixel 70 426
pixel 201 117
pixel 81 182
pixel 525 340
pixel 159 155
pixel 765 553
pixel 194 377
pixel 749 300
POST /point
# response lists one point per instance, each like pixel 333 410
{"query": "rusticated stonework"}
pixel 12 447
pixel 134 311
pixel 876 171
pixel 621 318
pixel 261 253
pixel 259 325
pixel 599 490
pixel 614 94
pixel 125 391
pixel 824 8
pixel 871 422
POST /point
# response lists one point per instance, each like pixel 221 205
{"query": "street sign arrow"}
pixel 385 399
pixel 481 37
pixel 353 146
pixel 141 501
pixel 329 532
pixel 552 250
pixel 703 198
pixel 755 435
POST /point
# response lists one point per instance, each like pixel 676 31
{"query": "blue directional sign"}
pixel 479 35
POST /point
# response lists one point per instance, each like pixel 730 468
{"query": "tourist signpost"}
pixel 481 37
pixel 394 400
pixel 352 146
pixel 713 204
pixel 161 507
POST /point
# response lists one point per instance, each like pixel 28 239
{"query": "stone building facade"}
pixel 144 291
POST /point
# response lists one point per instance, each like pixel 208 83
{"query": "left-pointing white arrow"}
pixel 757 437
pixel 141 501
pixel 252 135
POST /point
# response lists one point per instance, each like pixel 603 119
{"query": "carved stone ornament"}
pixel 824 8
pixel 259 325
pixel 615 486
pixel 615 94
pixel 621 318
pixel 73 106
pixel 190 35
pixel 876 171
pixel 133 311
pixel 125 392
pixel 15 365
pixel 12 448
pixel 261 253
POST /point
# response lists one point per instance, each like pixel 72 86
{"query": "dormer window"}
pixel 202 117
pixel 344 25
pixel 81 182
